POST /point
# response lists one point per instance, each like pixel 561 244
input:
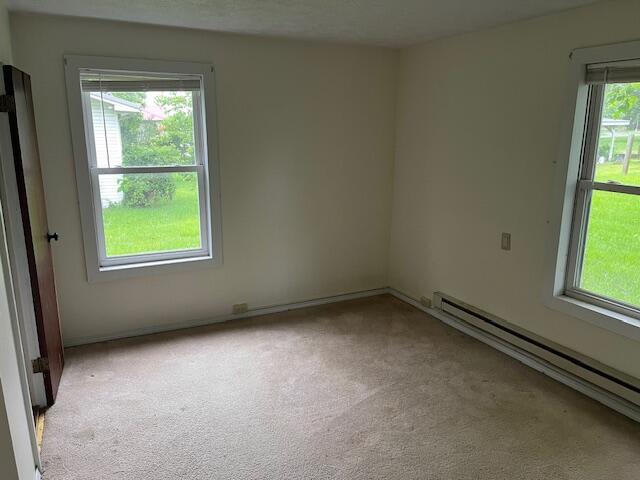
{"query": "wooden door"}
pixel 24 144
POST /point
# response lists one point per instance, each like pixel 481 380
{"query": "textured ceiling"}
pixel 375 22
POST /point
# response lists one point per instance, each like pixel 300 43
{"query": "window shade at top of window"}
pixel 92 81
pixel 613 72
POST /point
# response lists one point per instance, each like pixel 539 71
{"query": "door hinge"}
pixel 40 365
pixel 7 103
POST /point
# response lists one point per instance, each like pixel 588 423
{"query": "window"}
pixel 593 271
pixel 145 163
pixel 604 257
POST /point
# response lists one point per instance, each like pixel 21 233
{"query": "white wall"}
pixel 306 147
pixel 477 131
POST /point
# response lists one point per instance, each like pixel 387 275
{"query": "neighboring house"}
pixel 106 111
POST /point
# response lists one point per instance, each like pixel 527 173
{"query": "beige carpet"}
pixel 367 389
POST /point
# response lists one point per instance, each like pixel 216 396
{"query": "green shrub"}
pixel 155 143
pixel 143 190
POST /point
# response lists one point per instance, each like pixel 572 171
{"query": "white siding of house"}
pixel 108 149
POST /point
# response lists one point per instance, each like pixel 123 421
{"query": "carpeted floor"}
pixel 366 389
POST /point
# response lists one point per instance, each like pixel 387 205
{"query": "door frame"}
pixel 17 257
pixel 15 319
pixel 17 341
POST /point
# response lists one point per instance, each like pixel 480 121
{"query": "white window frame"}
pixel 99 266
pixel 572 190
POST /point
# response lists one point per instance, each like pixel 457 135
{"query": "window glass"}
pixel 611 262
pixel 150 212
pixel 149 124
pixel 618 152
pixel 133 129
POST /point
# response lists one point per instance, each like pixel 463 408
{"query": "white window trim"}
pixel 210 255
pixel 594 311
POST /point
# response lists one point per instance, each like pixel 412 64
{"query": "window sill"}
pixel 615 322
pixel 118 272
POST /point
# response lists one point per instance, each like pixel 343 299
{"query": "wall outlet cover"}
pixel 425 301
pixel 240 308
pixel 505 241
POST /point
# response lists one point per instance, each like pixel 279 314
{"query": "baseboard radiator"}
pixel 613 388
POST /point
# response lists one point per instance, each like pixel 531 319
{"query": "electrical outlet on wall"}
pixel 240 308
pixel 425 301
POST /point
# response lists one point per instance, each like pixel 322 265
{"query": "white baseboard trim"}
pixel 593 391
pixel 265 310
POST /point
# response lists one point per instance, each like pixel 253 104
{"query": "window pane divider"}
pixel 148 169
pixel 142 258
pixel 609 187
